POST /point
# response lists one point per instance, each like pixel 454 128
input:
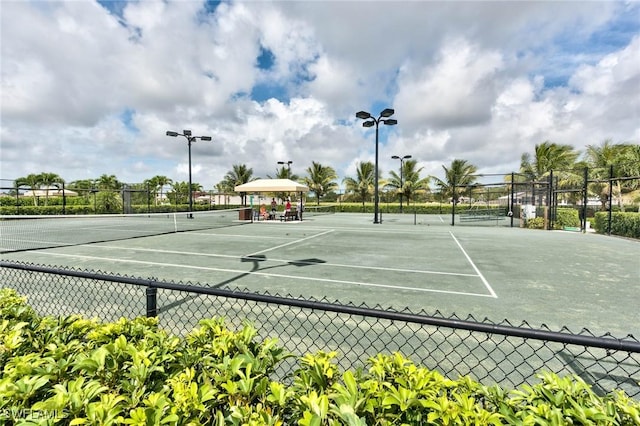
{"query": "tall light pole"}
pixel 371 121
pixel 288 163
pixel 395 157
pixel 190 138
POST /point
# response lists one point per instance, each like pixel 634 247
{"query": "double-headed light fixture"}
pixel 190 138
pixel 288 163
pixel 370 122
pixel 406 157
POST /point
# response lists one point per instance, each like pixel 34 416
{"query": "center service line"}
pixel 486 283
pixel 289 243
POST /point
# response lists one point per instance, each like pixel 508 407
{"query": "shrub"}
pixel 131 372
pixel 567 218
pixel 535 223
pixel 625 224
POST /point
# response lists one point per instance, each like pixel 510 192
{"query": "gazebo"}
pixel 273 185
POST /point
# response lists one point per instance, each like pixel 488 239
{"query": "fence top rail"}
pixel 610 343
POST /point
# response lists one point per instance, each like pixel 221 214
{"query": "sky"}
pixel 91 87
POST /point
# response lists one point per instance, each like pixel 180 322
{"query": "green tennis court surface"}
pixel 422 263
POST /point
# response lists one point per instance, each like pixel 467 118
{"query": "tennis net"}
pixel 22 232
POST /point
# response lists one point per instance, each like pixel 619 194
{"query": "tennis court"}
pixel 424 264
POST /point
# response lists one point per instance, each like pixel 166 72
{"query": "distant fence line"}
pixel 490 353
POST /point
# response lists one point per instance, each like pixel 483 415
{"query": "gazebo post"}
pixel 301 206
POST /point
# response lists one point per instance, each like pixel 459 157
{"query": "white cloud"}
pixel 85 92
pixel 455 91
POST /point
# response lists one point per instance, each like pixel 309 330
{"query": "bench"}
pixel 290 215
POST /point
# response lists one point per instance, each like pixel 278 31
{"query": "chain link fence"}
pixel 504 353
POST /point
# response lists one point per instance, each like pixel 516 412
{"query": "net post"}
pixel 152 302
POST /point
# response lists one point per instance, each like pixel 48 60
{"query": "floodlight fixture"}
pixel 190 138
pixel 372 121
pixel 401 189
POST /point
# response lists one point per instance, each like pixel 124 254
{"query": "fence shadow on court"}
pixel 256 260
pixel 502 353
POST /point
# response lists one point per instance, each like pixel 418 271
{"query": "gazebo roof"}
pixel 272 185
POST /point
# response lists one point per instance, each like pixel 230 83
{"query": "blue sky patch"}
pixel 115 7
pixel 210 6
pixel 262 92
pixel 126 117
pixel 570 51
pixel 265 59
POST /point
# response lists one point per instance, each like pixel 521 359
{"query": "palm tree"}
pixel 32 181
pixel 180 192
pixel 631 165
pixel 550 156
pixel 411 182
pixel 108 202
pixel 82 187
pixel 362 185
pixel 459 173
pixel 321 180
pixel 156 184
pixel 48 180
pixel 600 159
pixel 284 173
pixel 239 175
pixel 108 182
pixel 220 191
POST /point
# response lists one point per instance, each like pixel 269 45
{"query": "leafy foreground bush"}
pixel 75 371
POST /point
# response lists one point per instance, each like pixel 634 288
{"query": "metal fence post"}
pixel 152 302
pixel 610 197
pixel 585 200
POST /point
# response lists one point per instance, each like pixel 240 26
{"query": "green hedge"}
pixel 89 209
pixel 567 218
pixel 625 224
pixel 75 371
pixel 422 208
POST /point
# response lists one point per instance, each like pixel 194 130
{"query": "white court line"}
pixel 486 283
pixel 253 237
pixel 265 274
pixel 289 243
pixel 332 265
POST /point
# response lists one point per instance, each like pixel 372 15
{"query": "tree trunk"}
pixel 619 195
